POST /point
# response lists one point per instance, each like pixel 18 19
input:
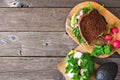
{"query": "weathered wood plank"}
pixel 36 68
pixel 29 68
pixel 36 19
pixel 53 3
pixel 35 43
pixel 33 19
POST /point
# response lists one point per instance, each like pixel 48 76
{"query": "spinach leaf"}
pixel 100 50
pixel 87 62
pixel 77 34
pixel 106 49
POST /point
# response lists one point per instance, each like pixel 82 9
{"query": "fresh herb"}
pixel 85 10
pixel 101 7
pixel 76 32
pixel 87 62
pixel 73 20
pixel 106 49
pixel 101 34
pixel 85 74
pixel 89 6
pixel 84 71
pixel 100 50
pixel 116 24
pixel 76 77
pixel 109 30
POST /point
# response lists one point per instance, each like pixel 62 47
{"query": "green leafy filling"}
pixel 76 32
pixel 100 50
pixel 74 21
pixel 87 62
pixel 86 66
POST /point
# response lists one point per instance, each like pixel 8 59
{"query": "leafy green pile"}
pixel 77 34
pixel 100 50
pixel 76 30
pixel 82 71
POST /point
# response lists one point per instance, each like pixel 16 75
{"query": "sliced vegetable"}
pixel 77 55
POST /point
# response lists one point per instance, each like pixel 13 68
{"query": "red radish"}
pixel 81 12
pixel 116 44
pixel 76 25
pixel 115 30
pixel 108 37
pixel 78 16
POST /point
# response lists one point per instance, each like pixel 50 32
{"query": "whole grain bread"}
pixel 91 25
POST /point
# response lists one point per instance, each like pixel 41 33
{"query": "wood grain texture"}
pixel 36 19
pixel 53 3
pixel 35 43
pixel 29 68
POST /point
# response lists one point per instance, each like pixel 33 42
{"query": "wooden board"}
pixel 52 3
pixel 110 18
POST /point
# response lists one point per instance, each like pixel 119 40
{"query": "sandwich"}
pixel 79 66
pixel 90 28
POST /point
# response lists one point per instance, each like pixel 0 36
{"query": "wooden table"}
pixel 33 38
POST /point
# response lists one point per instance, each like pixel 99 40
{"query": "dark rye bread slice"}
pixel 91 25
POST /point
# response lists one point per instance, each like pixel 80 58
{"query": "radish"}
pixel 76 25
pixel 108 37
pixel 81 12
pixel 115 30
pixel 79 15
pixel 77 55
pixel 116 44
pixel 70 74
pixel 79 62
